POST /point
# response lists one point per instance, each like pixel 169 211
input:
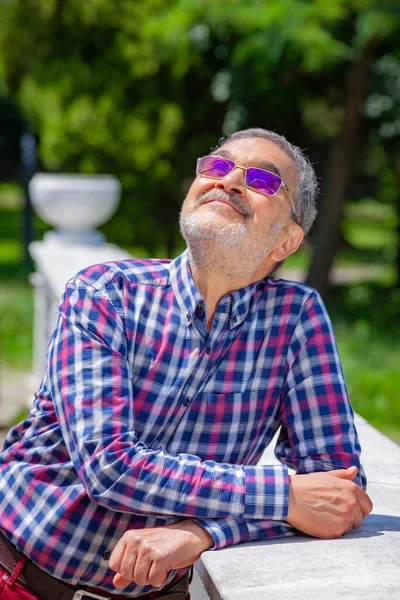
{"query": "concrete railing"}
pixel 362 565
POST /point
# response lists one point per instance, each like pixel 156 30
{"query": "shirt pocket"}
pixel 237 426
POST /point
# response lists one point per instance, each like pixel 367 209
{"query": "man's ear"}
pixel 288 242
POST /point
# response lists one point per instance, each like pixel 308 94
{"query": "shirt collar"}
pixel 186 292
pixel 188 296
pixel 242 301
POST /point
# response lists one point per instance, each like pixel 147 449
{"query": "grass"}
pixel 16 310
pixel 16 295
pixel 367 327
pixel 10 251
pixel 371 367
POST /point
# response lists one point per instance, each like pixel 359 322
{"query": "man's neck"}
pixel 215 280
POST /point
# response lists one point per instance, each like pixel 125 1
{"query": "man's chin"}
pixel 215 229
pixel 217 215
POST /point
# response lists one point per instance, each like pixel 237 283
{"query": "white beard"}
pixel 225 245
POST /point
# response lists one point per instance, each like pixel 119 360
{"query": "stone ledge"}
pixel 363 565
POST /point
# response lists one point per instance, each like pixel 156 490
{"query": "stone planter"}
pixel 75 205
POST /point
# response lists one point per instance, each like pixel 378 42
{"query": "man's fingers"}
pixel 358 519
pixel 364 501
pixel 120 582
pixel 117 555
pixel 157 575
pixel 142 568
pixel 128 564
pixel 349 473
pixel 156 578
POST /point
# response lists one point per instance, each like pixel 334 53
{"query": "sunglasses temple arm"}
pixel 291 199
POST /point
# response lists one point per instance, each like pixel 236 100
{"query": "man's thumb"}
pixel 120 582
pixel 349 473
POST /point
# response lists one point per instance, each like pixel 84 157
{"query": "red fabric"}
pixel 11 589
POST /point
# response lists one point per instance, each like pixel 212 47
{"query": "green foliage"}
pixel 370 362
pixel 140 89
pixel 367 326
pixel 16 309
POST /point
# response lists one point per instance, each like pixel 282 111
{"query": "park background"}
pixel 140 89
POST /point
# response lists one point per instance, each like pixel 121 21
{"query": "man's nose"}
pixel 233 182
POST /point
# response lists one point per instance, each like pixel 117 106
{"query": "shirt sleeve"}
pixel 90 383
pixel 228 532
pixel 318 431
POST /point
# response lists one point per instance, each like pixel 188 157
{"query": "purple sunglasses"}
pixel 259 180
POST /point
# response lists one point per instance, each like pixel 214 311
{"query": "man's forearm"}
pixel 324 504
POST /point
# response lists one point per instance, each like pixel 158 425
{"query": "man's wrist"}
pixel 203 537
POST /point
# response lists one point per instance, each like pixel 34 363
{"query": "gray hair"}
pixel 306 192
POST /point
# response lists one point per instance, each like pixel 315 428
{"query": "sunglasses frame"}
pixel 236 166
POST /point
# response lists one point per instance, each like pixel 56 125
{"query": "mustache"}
pixel 230 197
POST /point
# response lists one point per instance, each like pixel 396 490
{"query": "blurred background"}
pixel 140 89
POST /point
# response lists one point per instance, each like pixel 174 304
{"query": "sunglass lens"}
pixel 215 166
pixel 263 181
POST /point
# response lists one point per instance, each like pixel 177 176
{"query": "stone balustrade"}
pixel 362 565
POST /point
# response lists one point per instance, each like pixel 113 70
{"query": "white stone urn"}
pixel 75 205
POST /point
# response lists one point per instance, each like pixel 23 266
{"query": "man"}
pixel 164 383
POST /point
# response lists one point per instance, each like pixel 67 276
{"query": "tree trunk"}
pixel 327 235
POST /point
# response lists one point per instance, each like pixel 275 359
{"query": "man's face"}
pixel 226 213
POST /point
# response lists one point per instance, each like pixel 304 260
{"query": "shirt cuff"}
pixel 229 532
pixel 266 492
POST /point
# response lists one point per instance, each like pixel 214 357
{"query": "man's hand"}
pixel 146 555
pixel 327 504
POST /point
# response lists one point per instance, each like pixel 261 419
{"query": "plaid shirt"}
pixel 144 418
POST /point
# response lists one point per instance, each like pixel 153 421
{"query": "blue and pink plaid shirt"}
pixel 144 418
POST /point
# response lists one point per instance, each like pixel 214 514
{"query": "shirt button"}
pixel 106 555
pixel 200 312
pixel 208 350
pixel 234 319
pixel 186 401
pixel 188 317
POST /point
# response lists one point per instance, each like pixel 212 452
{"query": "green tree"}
pixel 382 110
pixel 140 89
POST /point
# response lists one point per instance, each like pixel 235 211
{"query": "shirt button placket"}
pixel 200 312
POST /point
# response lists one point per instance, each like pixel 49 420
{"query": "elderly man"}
pixel 165 382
